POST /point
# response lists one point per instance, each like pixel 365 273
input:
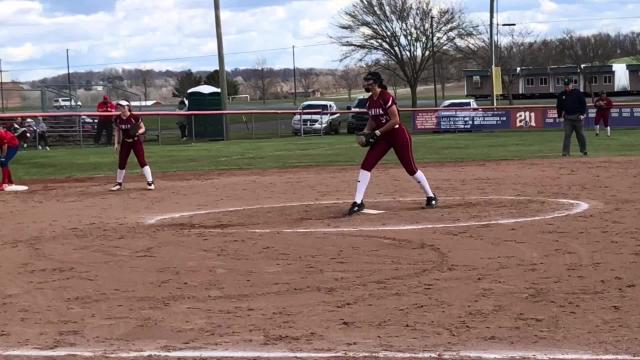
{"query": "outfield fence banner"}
pixel 513 118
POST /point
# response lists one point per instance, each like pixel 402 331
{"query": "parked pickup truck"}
pixel 66 103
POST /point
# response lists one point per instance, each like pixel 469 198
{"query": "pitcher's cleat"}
pixel 355 208
pixel 432 202
pixel 116 187
pixel 150 185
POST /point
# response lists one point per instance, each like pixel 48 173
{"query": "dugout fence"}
pixel 163 127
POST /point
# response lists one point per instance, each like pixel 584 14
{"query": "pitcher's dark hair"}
pixel 376 78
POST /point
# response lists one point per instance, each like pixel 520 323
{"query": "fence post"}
pixel 278 125
pixel 159 131
pixel 193 128
pixel 81 126
pixel 253 127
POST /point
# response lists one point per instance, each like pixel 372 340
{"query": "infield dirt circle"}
pixel 226 261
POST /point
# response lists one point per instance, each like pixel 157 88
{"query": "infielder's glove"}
pixel 366 139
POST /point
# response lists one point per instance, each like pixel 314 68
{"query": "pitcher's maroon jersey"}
pixel 378 108
pixel 124 124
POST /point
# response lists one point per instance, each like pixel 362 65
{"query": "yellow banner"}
pixel 497 80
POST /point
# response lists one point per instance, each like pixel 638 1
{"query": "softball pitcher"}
pixel 384 132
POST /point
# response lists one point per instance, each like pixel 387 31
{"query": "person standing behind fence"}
pixel 41 129
pixel 129 132
pixel 572 106
pixel 183 105
pixel 105 123
pixel 603 110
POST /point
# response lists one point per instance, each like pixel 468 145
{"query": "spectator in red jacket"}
pixel 603 110
pixel 105 122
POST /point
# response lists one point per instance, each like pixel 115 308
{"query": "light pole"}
pixel 1 87
pixel 295 87
pixel 492 4
pixel 433 60
pixel 222 70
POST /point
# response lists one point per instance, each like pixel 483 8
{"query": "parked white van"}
pixel 319 123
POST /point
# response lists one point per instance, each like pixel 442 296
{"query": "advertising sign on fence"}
pixel 435 120
pixel 512 118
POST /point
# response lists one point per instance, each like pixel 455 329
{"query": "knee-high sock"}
pixel 361 187
pixel 120 175
pixel 424 184
pixel 5 175
pixel 608 131
pixel 597 129
pixel 147 173
pixel 10 177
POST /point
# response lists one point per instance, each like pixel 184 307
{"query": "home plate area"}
pixel 392 214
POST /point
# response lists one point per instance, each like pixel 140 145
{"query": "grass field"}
pixel 310 151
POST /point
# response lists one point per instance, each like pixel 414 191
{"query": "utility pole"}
pixel 69 81
pixel 1 87
pixel 222 70
pixel 433 61
pixel 295 85
pixel 493 52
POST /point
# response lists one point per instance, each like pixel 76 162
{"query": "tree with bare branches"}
pixel 262 79
pixel 350 77
pixel 514 53
pixel 399 31
pixel 596 49
pixel 307 79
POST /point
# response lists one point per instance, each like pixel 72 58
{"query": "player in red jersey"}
pixel 603 110
pixel 129 132
pixel 9 146
pixel 385 132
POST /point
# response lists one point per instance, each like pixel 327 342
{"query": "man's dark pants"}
pixel 102 126
pixel 573 123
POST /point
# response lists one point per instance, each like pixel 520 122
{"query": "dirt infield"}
pixel 83 268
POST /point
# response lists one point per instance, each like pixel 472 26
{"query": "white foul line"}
pixel 578 206
pixel 460 355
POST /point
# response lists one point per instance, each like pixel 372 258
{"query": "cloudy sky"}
pixel 180 34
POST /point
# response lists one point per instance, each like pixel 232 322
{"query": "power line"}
pixel 578 19
pixel 168 59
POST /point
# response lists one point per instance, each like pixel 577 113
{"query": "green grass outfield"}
pixel 313 151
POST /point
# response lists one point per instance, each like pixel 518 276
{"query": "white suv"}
pixel 66 103
pixel 318 123
pixel 459 103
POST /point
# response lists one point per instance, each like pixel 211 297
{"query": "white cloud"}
pixel 548 6
pixel 20 53
pixel 310 27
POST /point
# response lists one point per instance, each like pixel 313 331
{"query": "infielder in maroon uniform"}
pixel 129 132
pixel 603 110
pixel 385 132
